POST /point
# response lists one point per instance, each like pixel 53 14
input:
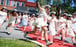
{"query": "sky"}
pixel 30 0
pixel 52 2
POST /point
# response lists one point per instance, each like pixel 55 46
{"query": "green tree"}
pixel 43 2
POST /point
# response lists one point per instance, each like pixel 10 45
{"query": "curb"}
pixel 36 42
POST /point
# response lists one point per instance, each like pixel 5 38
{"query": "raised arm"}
pixel 39 6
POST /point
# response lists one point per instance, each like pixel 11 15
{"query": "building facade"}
pixel 10 4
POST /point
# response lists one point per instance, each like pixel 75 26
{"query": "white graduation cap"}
pixel 4 7
pixel 69 15
pixel 66 14
pixel 53 12
pixel 14 9
pixel 33 14
pixel 74 13
pixel 46 6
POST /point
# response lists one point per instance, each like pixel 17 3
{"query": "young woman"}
pixel 19 18
pixel 43 24
pixel 70 32
pixel 25 20
pixel 32 19
pixel 61 26
pixel 74 24
pixel 8 15
pixel 52 26
pixel 11 21
pixel 3 16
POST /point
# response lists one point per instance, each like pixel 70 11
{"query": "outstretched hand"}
pixel 37 3
pixel 37 0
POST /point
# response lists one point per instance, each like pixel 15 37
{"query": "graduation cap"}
pixel 4 8
pixel 47 6
pixel 33 14
pixel 74 13
pixel 69 15
pixel 65 14
pixel 52 12
pixel 14 9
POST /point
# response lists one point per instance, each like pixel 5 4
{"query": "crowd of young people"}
pixel 44 21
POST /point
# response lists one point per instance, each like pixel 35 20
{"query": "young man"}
pixel 52 26
pixel 74 24
pixel 19 18
pixel 11 21
pixel 3 15
pixel 61 26
pixel 70 32
pixel 41 22
pixel 25 20
pixel 31 21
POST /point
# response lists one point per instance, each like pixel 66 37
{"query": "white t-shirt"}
pixel 69 28
pixel 52 23
pixel 61 23
pixel 73 19
pixel 3 15
pixel 44 15
pixel 25 17
pixel 42 12
pixel 69 23
pixel 74 24
pixel 18 17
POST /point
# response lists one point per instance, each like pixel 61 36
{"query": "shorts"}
pixel 74 27
pixel 40 22
pixel 24 22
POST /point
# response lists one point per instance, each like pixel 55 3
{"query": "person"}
pixel 19 18
pixel 25 20
pixel 41 22
pixel 31 21
pixel 65 16
pixel 52 26
pixel 61 27
pixel 3 15
pixel 70 32
pixel 11 21
pixel 8 15
pixel 74 24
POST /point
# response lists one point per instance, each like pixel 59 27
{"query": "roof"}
pixel 8 7
pixel 30 4
pixel 21 0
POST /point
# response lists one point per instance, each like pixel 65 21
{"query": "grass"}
pixel 15 43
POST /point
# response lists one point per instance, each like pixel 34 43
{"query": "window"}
pixel 2 2
pixel 31 0
pixel 23 4
pixel 7 2
pixel 17 4
pixel 12 3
